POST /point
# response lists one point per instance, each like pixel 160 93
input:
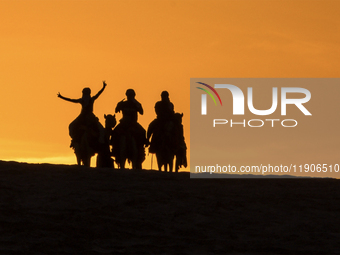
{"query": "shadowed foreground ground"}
pixel 68 209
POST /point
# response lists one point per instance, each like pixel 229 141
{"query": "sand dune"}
pixel 56 209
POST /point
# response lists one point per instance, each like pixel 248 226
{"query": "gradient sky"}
pixel 48 47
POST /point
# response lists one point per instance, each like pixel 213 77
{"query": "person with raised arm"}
pixel 86 117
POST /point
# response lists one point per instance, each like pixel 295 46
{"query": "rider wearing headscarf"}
pixel 164 109
pixel 163 125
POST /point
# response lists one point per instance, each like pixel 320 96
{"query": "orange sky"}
pixel 48 47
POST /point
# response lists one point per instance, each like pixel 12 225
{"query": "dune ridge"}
pixel 60 209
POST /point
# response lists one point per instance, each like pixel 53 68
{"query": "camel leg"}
pixel 134 154
pixel 121 163
pixel 78 160
pixel 122 152
pixel 158 157
pixel 176 164
pixel 172 163
pixel 99 161
pixel 136 165
pixel 171 166
pixel 176 167
pixel 87 161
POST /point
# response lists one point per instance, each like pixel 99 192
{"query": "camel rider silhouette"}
pixel 86 118
pixel 164 122
pixel 164 109
pixel 128 123
pixel 129 108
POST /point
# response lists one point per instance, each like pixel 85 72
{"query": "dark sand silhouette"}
pixel 56 209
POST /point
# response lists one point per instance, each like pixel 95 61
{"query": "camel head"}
pixel 178 117
pixel 110 120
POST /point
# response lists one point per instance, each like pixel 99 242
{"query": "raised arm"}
pixel 68 99
pixel 119 106
pixel 100 91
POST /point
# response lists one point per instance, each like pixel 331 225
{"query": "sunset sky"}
pixel 51 46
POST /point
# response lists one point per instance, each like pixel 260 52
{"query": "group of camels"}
pixel 115 144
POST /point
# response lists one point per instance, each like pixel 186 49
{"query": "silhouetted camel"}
pixel 91 143
pixel 167 142
pixel 84 147
pixel 167 135
pixel 181 147
pixel 104 158
pixel 163 142
pixel 128 146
